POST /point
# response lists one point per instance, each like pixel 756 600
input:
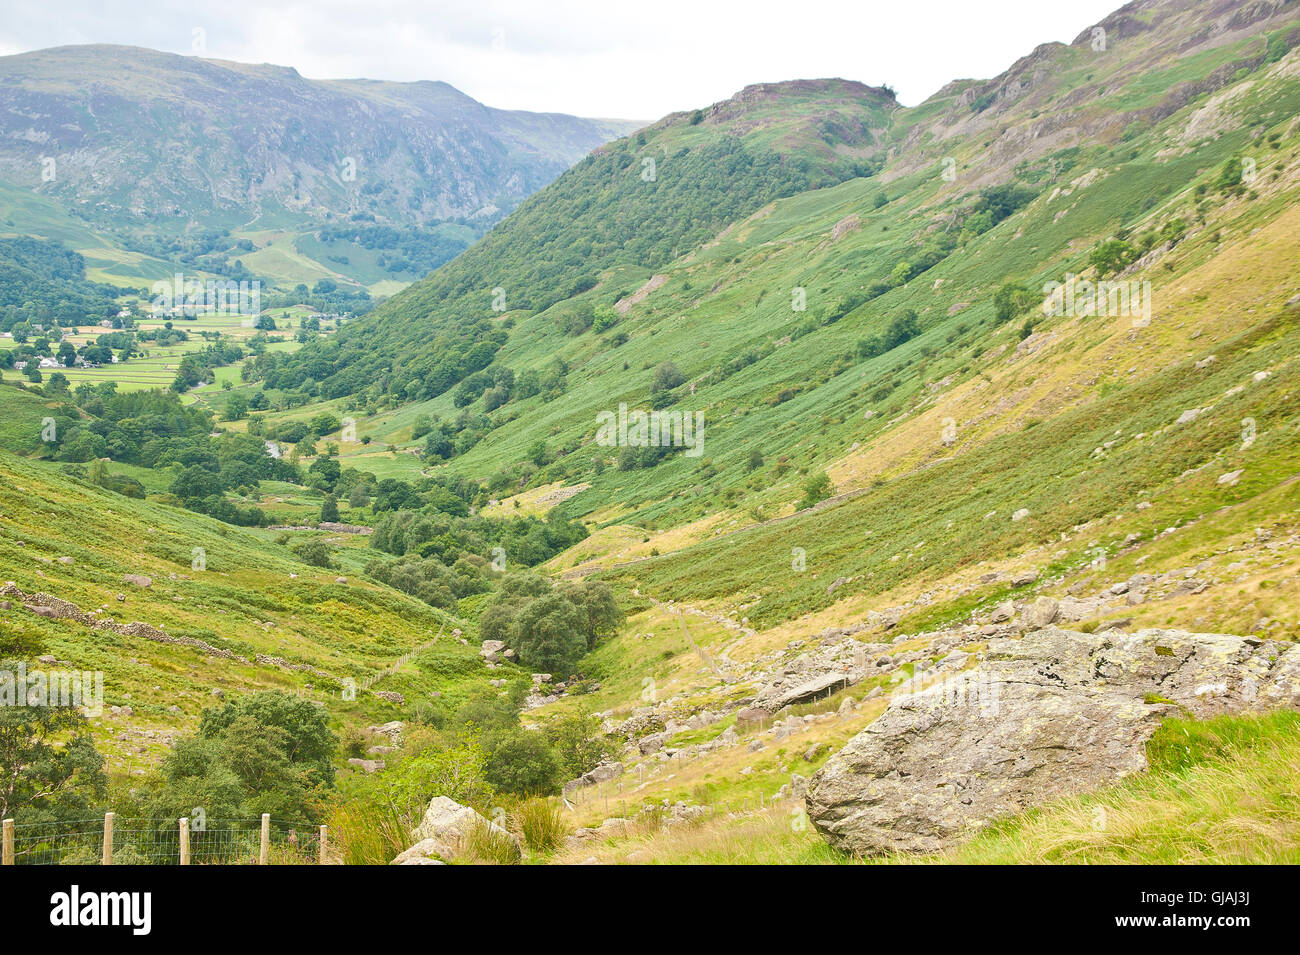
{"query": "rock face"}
pixel 443 830
pixel 1054 713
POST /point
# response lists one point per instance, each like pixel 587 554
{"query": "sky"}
pixel 600 58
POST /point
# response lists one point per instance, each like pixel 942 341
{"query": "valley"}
pixel 802 479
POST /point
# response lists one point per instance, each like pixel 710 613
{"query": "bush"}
pixel 316 553
pixel 520 761
pixel 667 376
pixel 816 488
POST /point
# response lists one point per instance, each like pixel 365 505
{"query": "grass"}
pixel 1218 791
pixel 540 821
pixel 253 598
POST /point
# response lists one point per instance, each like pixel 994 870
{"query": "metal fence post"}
pixel 264 853
pixel 8 855
pixel 185 841
pixel 324 843
pixel 108 838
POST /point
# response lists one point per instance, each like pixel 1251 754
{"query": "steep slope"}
pixel 176 610
pixel 635 204
pixel 905 458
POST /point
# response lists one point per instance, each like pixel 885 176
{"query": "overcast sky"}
pixel 610 58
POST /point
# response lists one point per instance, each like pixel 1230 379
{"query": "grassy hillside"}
pixel 901 448
pixel 262 619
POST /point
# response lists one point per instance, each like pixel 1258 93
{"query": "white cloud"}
pixel 591 57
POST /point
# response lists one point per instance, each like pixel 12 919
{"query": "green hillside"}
pixel 1011 368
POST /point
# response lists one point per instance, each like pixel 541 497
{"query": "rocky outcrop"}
pixel 1054 713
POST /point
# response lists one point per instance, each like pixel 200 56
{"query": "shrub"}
pixel 316 553
pixel 817 488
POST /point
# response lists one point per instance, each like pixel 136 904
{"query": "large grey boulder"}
pixel 443 832
pixel 1054 713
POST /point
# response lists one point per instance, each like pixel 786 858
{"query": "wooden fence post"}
pixel 108 839
pixel 8 856
pixel 185 841
pixel 264 853
pixel 324 843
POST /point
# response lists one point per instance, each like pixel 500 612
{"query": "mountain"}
pixel 149 143
pixel 990 394
pixel 148 135
pixel 631 206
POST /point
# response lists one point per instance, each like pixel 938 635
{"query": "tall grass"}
pixel 486 844
pixel 368 834
pixel 540 823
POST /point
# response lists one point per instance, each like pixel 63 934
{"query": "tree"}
pixel 195 482
pixel 755 460
pixel 520 761
pixel 329 509
pixel 549 634
pixel 1111 256
pixel 1009 300
pixel 266 753
pixel 48 760
pixel 236 407
pixel 307 739
pixel 580 744
pixel 816 488
pixel 903 328
pixel 595 601
pixel 325 472
pixel 667 376
pixel 316 553
pixel 325 423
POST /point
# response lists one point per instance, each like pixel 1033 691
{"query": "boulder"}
pixel 392 729
pixel 1040 613
pixel 1055 713
pixel 422 853
pixel 138 580
pixel 810 690
pixel 444 829
pixel 601 774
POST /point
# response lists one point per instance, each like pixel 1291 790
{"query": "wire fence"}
pixel 146 841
